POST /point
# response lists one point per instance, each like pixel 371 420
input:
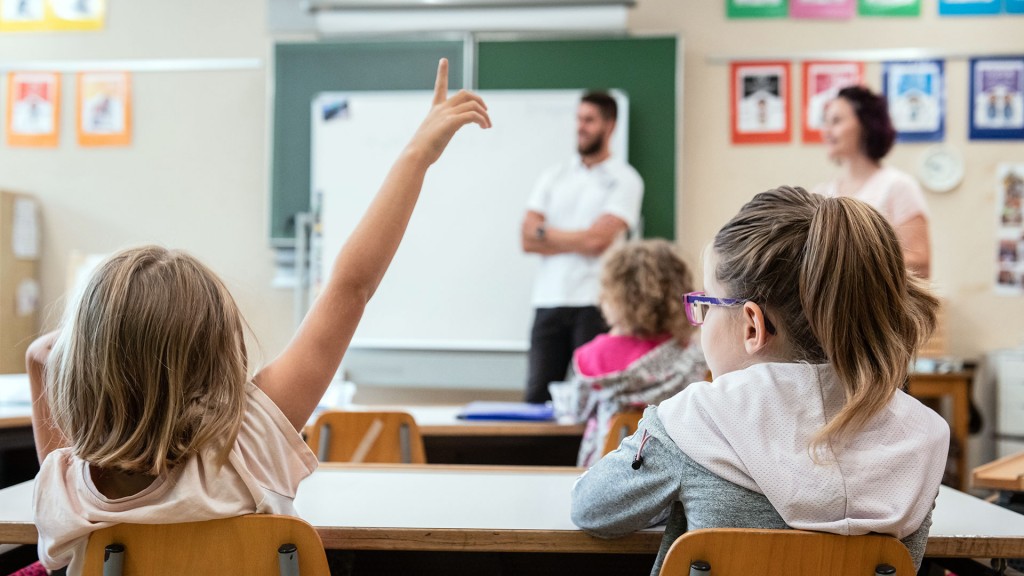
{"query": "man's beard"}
pixel 593 147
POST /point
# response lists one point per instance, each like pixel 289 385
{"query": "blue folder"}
pixel 507 411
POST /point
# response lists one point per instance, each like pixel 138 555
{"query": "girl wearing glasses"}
pixel 809 324
pixel 648 355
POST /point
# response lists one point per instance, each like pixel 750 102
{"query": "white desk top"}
pixel 521 509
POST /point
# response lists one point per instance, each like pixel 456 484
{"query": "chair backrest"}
pixel 623 424
pixel 374 437
pixel 241 545
pixel 735 551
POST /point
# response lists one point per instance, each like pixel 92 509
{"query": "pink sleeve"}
pixel 274 452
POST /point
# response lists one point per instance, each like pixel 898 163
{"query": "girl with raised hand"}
pixel 145 410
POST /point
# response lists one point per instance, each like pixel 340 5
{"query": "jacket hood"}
pixel 753 427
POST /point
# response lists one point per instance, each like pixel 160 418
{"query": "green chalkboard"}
pixel 643 68
pixel 302 70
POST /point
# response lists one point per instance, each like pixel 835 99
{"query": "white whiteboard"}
pixel 460 280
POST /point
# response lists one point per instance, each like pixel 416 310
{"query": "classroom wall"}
pixel 195 176
pixel 716 178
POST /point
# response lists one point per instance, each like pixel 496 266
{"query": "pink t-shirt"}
pixel 261 476
pixel 893 193
pixel 606 354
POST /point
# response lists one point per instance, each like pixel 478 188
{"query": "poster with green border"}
pixel 889 7
pixel 757 8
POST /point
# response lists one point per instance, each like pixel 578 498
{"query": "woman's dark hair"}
pixel 877 131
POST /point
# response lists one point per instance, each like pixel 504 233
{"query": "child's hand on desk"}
pixel 446 117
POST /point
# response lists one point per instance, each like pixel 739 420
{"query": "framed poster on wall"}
pixel 889 7
pixel 33 109
pixel 823 9
pixel 917 99
pixel 822 81
pixel 997 98
pixel 104 109
pixel 756 8
pixel 760 102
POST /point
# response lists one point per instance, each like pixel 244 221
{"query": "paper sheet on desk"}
pixel 14 389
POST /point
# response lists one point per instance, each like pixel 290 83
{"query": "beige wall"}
pixel 717 177
pixel 196 174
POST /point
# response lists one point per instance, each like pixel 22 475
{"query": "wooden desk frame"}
pixel 954 385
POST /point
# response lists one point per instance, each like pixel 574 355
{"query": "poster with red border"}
pixel 104 109
pixel 33 109
pixel 760 102
pixel 822 81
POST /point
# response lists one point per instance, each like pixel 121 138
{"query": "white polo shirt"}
pixel 572 196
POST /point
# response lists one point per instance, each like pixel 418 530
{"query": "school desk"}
pixel 514 509
pixel 955 386
pixel 449 440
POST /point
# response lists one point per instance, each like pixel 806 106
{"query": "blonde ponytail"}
pixel 868 314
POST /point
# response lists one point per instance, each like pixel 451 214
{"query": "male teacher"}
pixel 576 211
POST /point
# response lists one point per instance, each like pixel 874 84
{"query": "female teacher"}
pixel 858 134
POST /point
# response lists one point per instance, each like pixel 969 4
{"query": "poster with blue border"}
pixel 997 98
pixel 916 92
pixel 969 7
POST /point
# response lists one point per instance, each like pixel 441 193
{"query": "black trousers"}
pixel 557 332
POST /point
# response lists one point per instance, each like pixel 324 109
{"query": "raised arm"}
pixel 297 379
pixel 47 437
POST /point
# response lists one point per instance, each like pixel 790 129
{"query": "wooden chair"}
pixel 255 544
pixel 357 436
pixel 622 426
pixel 735 551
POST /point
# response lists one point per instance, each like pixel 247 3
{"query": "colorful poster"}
pixel 33 109
pixel 822 81
pixel 1010 229
pixel 104 109
pixel 51 15
pixel 760 102
pixel 889 7
pixel 997 98
pixel 916 92
pixel 756 8
pixel 823 9
pixel 968 7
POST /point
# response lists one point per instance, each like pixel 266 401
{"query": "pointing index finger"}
pixel 441 84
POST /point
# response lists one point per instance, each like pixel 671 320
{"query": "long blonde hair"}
pixel 150 365
pixel 830 274
pixel 644 282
